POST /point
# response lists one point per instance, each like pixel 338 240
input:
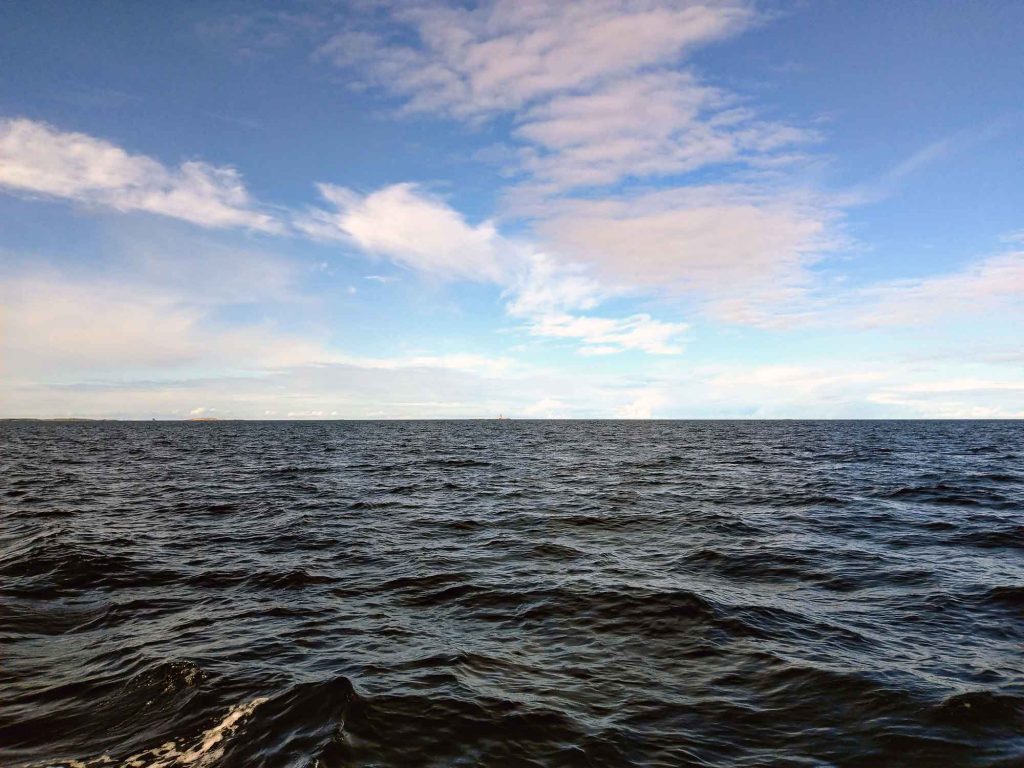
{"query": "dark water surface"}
pixel 512 593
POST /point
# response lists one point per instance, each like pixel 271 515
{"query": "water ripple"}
pixel 512 593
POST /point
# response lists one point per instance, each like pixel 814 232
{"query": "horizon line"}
pixel 207 420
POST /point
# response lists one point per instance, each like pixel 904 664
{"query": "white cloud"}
pixel 507 54
pixel 643 406
pixel 36 158
pixel 483 365
pixel 548 296
pixel 988 286
pixel 422 232
pixel 164 316
pixel 411 228
pixel 595 85
pixel 601 335
pixel 956 397
pixel 787 383
pixel 53 326
pixel 544 284
pixel 78 329
pixel 848 387
pixel 600 100
pixel 597 94
pixel 547 408
pixel 742 254
pixel 654 124
pixel 86 347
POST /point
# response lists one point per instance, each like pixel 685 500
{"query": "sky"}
pixel 591 209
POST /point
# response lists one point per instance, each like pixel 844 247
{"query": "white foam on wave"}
pixel 208 748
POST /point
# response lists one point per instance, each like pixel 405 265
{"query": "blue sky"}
pixel 607 208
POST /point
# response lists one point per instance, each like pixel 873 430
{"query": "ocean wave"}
pixel 589 593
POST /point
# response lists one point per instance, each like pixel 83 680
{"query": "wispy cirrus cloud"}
pixel 595 88
pixel 655 124
pixel 602 335
pixel 501 56
pixel 39 159
pixel 993 285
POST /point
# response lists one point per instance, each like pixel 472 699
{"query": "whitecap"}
pixel 205 750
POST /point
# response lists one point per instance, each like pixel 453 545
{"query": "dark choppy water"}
pixel 512 593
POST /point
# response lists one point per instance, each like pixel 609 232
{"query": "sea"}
pixel 512 593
